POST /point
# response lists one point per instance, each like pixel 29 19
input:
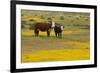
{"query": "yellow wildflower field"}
pixel 41 49
pixel 57 55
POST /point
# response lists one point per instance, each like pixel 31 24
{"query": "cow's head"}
pixel 62 27
pixel 53 24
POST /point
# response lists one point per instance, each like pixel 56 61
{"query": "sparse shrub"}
pixel 75 24
pixel 31 27
pixel 22 14
pixel 42 17
pixel 62 17
pixel 35 15
pixel 23 22
pixel 72 21
pixel 69 16
pixel 31 20
pixel 49 19
pixel 86 19
pixel 77 18
pixel 22 26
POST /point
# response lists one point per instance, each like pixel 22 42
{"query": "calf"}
pixel 58 30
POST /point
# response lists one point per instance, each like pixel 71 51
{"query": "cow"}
pixel 44 27
pixel 58 30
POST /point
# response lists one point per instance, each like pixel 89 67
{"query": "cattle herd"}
pixel 47 27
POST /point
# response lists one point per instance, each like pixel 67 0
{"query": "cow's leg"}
pixel 56 34
pixel 48 33
pixel 36 32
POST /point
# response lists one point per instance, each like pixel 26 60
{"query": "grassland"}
pixel 74 45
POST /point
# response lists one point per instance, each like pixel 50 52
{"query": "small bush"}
pixel 31 27
pixel 31 20
pixel 22 26
pixel 62 17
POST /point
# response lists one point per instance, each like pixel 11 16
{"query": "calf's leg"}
pixel 59 35
pixel 56 34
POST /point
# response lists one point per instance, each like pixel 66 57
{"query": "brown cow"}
pixel 44 27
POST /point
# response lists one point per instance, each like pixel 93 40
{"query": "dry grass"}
pixel 42 48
